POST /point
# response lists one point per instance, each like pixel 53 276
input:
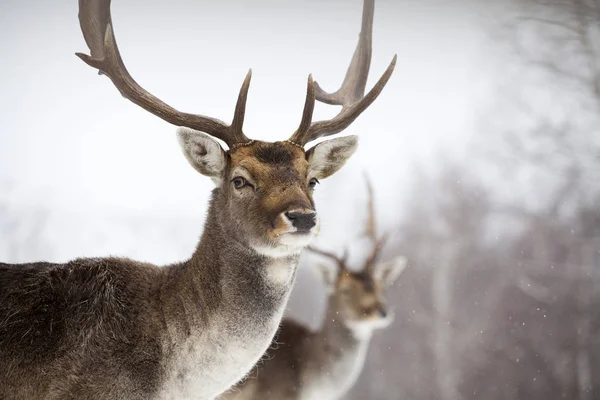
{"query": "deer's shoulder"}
pixel 43 302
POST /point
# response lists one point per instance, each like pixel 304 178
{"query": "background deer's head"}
pixel 264 190
pixel 358 296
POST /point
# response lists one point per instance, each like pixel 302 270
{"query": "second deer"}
pixel 324 365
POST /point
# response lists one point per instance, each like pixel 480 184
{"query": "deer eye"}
pixel 239 182
pixel 313 183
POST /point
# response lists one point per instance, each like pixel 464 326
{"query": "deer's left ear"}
pixel 387 272
pixel 326 158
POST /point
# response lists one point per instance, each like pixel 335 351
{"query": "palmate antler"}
pixel 96 25
pixel 351 94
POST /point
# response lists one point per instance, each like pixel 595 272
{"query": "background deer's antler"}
pixel 351 94
pixel 377 242
pixel 339 261
pixel 371 229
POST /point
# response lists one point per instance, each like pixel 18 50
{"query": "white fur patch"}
pixel 277 251
pixel 363 330
pixel 212 361
pixel 280 271
pixel 329 156
pixel 204 153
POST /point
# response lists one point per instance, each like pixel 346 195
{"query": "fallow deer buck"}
pixel 324 365
pixel 113 328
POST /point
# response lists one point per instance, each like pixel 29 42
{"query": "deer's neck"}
pixel 237 278
pixel 341 352
pixel 224 307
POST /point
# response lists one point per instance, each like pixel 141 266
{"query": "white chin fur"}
pixel 287 245
pixel 365 328
pixel 295 240
pixel 277 251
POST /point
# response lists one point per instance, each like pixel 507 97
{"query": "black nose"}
pixel 302 221
pixel 382 311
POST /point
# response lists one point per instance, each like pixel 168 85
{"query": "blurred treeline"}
pixel 502 300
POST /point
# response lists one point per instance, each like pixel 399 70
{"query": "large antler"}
pixel 371 229
pixel 339 261
pixel 351 94
pixel 96 25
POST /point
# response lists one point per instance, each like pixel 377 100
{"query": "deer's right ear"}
pixel 327 157
pixel 204 153
pixel 328 276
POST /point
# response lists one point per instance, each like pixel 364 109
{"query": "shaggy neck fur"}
pixel 224 306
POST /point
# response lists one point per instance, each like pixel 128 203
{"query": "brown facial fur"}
pixel 278 179
pixel 360 296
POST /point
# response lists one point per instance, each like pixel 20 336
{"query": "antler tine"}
pixel 351 93
pixel 371 228
pixel 355 81
pixel 371 224
pixel 307 113
pixel 340 261
pixel 240 109
pixel 344 259
pixel 96 25
pixel 377 247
